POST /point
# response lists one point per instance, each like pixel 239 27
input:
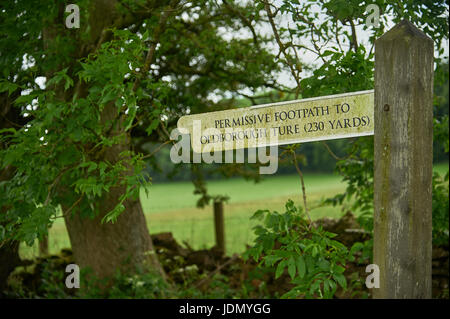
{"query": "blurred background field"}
pixel 171 207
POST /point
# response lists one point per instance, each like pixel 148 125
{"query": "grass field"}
pixel 171 207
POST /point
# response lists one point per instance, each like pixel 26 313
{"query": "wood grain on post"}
pixel 219 225
pixel 403 162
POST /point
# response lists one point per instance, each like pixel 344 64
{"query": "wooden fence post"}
pixel 403 162
pixel 219 225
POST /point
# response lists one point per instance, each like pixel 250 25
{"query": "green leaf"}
pixel 324 265
pixel 326 286
pixel 8 86
pixel 332 285
pixel 291 267
pixel 153 125
pixel 114 214
pixel 69 83
pixel 314 287
pixel 102 167
pixel 271 260
pixel 356 247
pixel 301 266
pixel 339 269
pixel 259 214
pixel 268 242
pixel 280 269
pixel 109 96
pixel 340 279
pixel 314 251
pixel 130 117
pixel 92 166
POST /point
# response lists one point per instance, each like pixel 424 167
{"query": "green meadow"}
pixel 171 207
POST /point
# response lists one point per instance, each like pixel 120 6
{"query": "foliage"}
pixel 314 261
pixel 357 172
pixel 357 168
pixel 440 210
pixel 345 72
pixel 63 141
pixel 346 65
pixel 46 279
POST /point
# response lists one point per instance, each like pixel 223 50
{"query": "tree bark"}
pixel 109 247
pixel 9 256
pixel 9 250
pixel 43 246
pixel 122 245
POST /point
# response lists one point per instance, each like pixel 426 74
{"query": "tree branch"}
pixel 280 44
pixel 303 185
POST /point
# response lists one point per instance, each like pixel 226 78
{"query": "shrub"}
pixel 314 261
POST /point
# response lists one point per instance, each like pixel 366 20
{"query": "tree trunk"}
pixel 43 246
pixel 9 250
pixel 9 257
pixel 124 244
pixel 108 247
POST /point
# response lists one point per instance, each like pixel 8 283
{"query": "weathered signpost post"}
pixel 403 162
pixel 399 112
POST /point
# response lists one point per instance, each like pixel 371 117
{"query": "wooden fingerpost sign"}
pixel 399 112
pixel 403 162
